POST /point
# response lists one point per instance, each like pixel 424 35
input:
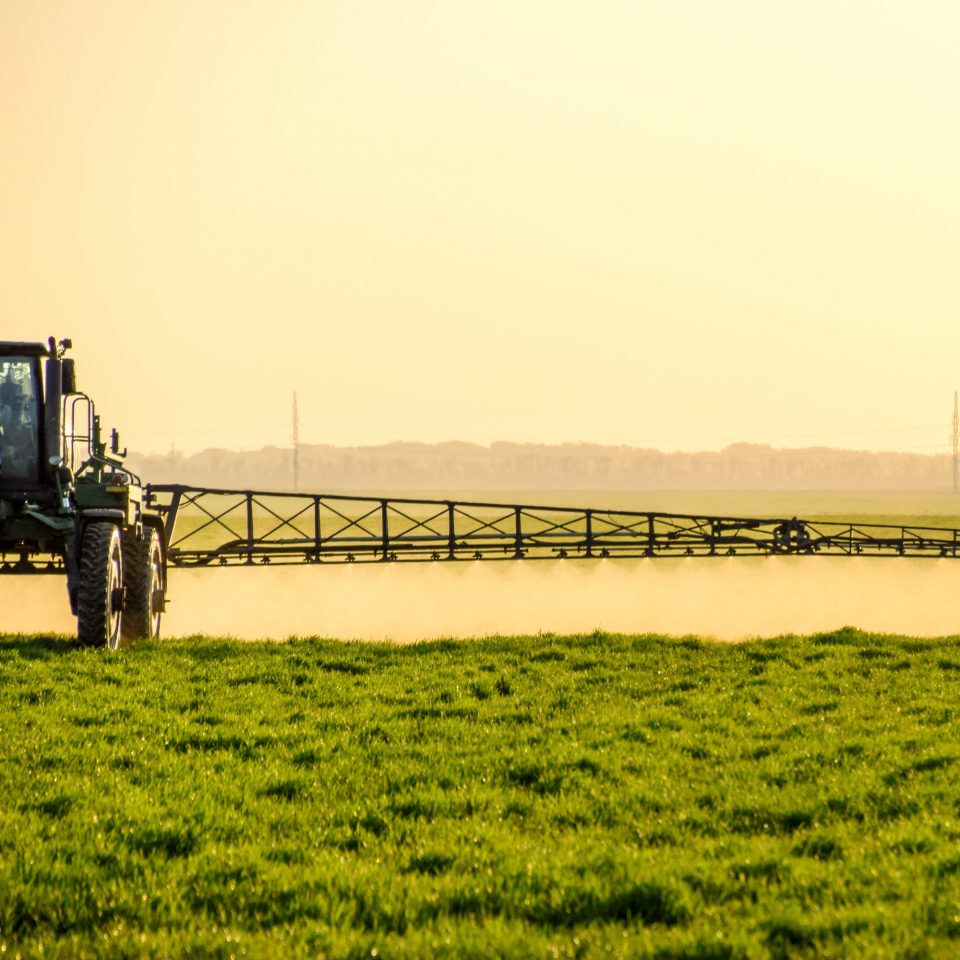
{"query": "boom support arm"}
pixel 207 526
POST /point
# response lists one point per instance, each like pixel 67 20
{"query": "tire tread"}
pixel 137 577
pixel 93 602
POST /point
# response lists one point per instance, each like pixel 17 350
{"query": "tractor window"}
pixel 19 421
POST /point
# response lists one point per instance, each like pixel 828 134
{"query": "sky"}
pixel 670 224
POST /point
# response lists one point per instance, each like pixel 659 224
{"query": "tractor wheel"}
pixel 143 579
pixel 100 594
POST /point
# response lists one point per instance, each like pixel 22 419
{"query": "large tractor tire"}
pixel 144 581
pixel 100 593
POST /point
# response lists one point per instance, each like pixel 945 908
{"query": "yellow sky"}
pixel 677 224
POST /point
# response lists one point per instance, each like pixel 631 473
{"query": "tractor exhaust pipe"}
pixel 53 394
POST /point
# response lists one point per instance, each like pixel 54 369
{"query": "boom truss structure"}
pixel 210 527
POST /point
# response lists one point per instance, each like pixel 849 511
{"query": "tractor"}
pixel 68 504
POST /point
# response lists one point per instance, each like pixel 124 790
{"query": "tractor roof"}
pixel 11 348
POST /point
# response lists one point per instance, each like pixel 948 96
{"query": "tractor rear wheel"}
pixel 144 582
pixel 100 593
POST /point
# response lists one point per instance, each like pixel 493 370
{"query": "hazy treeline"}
pixel 570 466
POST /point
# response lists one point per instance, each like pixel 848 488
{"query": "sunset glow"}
pixel 676 225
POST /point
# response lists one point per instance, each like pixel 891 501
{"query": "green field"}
pixel 898 507
pixel 525 797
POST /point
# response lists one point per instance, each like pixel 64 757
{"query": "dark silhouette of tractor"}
pixel 68 504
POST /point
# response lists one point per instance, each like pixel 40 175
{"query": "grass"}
pixel 907 507
pixel 523 797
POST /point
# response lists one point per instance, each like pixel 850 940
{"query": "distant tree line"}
pixel 570 466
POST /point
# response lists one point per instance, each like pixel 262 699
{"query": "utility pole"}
pixel 296 445
pixel 956 444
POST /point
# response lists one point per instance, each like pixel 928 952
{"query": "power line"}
pixel 296 443
pixel 955 437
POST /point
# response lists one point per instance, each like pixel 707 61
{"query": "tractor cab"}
pixel 21 415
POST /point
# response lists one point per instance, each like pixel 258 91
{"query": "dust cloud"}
pixel 726 599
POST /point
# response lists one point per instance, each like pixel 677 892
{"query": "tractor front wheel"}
pixel 145 586
pixel 100 593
